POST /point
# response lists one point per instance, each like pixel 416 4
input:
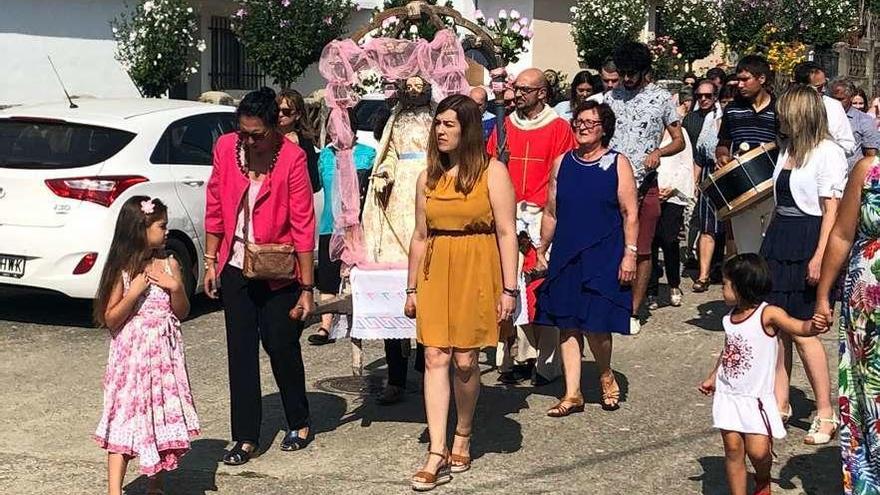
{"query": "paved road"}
pixel 660 441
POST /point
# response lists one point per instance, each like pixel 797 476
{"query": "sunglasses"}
pixel 700 96
pixel 526 90
pixel 287 112
pixel 255 136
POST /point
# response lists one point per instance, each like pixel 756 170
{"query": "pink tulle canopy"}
pixel 440 62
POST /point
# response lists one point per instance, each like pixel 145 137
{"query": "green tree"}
pixel 157 44
pixel 693 24
pixel 284 38
pixel 598 27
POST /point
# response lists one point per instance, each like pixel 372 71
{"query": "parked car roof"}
pixel 109 110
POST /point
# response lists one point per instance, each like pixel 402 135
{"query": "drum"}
pixel 746 180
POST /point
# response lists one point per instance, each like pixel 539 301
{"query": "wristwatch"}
pixel 633 248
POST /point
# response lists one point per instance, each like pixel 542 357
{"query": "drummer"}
pixel 750 119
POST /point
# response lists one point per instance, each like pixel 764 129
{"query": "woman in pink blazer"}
pixel 259 166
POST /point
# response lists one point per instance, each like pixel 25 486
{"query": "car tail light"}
pixel 85 264
pixel 101 190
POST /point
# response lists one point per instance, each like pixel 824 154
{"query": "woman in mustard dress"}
pixel 462 276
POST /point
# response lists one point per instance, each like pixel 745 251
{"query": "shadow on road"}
pixel 51 309
pixel 710 316
pixel 196 474
pixel 819 471
pixel 326 414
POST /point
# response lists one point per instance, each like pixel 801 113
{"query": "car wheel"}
pixel 181 254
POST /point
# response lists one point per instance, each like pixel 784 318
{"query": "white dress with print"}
pixel 744 399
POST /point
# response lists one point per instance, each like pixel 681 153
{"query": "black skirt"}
pixel 789 244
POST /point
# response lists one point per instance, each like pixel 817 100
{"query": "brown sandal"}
pixel 424 481
pixel 566 406
pixel 610 394
pixel 460 463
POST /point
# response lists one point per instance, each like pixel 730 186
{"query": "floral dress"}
pixel 859 368
pixel 148 407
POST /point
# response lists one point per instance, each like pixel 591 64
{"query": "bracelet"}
pixel 212 257
pixel 306 287
pixel 510 292
pixel 410 290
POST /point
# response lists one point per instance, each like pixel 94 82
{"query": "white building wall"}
pixel 78 37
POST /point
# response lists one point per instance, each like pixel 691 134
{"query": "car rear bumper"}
pixel 51 254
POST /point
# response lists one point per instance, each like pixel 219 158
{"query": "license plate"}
pixel 11 266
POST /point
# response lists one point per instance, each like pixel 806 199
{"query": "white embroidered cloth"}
pixel 378 297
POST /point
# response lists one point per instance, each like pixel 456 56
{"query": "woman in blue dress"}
pixel 590 225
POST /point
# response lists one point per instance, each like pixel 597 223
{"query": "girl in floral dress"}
pixel 148 407
pixel 744 407
pixel 856 237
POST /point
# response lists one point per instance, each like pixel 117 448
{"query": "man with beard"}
pixel 388 218
pixel 644 112
pixel 535 136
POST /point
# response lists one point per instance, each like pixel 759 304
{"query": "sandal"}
pixel 237 455
pixel 701 286
pixel 424 481
pixel 321 337
pixel 610 394
pixel 292 441
pixel 815 436
pixel 566 406
pixel 785 415
pixel 460 463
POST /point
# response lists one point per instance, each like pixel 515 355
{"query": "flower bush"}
pixel 668 59
pixel 695 25
pixel 157 44
pixel 747 22
pixel 784 56
pixel 284 38
pixel 512 31
pixel 598 27
pixel 819 22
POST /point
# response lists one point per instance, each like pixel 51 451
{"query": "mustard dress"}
pixel 459 282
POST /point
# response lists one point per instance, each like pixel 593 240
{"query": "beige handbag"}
pixel 266 261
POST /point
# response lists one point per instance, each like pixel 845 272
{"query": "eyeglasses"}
pixel 255 136
pixel 586 124
pixel 701 96
pixel 526 90
pixel 287 112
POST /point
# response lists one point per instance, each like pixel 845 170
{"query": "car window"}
pixel 190 141
pixel 42 144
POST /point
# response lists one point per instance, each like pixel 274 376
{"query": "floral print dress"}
pixel 148 406
pixel 859 368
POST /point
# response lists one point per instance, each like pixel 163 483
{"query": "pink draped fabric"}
pixel 440 62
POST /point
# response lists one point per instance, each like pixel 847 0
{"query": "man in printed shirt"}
pixel 644 111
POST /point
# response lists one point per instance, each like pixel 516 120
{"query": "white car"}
pixel 65 172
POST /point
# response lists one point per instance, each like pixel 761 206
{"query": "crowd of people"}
pixel 529 241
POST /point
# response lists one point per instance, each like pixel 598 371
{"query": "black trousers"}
pixel 668 229
pixel 397 362
pixel 255 313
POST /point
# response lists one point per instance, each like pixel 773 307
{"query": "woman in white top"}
pixel 807 184
pixel 676 181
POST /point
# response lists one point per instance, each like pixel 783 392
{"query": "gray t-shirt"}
pixel 642 116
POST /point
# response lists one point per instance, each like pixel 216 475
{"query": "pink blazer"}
pixel 283 213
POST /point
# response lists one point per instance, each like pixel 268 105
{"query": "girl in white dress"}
pixel 744 407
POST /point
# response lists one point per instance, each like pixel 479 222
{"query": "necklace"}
pixel 240 157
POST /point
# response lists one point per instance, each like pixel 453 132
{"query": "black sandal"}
pixel 701 286
pixel 321 337
pixel 292 441
pixel 237 455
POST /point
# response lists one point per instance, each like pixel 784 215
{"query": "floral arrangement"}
pixel 284 38
pixel 695 26
pixel 511 30
pixel 598 27
pixel 668 60
pixel 157 44
pixel 369 82
pixel 423 29
pixel 783 56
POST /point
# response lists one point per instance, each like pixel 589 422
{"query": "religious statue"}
pixel 389 213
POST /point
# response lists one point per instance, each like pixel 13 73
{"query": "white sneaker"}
pixel 652 303
pixel 675 297
pixel 635 326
